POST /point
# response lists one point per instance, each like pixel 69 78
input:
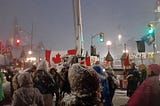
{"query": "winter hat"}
pixel 24 79
pixel 52 70
pixel 83 81
pixel 155 68
pixel 43 65
pixel 142 67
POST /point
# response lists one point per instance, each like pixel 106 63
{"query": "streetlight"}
pixel 109 58
pixel 119 38
pixel 30 52
pixel 108 43
pixel 100 38
pixel 125 51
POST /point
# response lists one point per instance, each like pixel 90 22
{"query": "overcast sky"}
pixel 53 20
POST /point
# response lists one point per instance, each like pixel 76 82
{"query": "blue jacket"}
pixel 104 83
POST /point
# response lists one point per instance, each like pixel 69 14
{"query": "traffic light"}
pixel 151 30
pixel 149 37
pixel 101 37
pixel 150 34
pixel 18 42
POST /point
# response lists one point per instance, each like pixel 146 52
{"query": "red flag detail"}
pixel 48 53
pixel 72 52
pixel 126 62
pixel 88 62
pixel 82 62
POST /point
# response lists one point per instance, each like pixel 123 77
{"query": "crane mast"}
pixel 78 27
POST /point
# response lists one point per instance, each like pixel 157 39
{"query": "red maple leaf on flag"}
pixel 57 59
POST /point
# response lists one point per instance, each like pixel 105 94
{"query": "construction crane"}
pixel 78 27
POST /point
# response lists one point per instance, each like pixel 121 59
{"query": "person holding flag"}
pixel 133 78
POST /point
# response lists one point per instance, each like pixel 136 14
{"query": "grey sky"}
pixel 53 20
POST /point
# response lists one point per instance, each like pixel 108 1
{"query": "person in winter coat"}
pixel 143 72
pixel 85 87
pixel 148 93
pixel 26 95
pixel 43 81
pixel 14 82
pixel 112 81
pixel 1 87
pixel 104 84
pixel 133 79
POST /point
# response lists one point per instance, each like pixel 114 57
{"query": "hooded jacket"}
pixel 26 95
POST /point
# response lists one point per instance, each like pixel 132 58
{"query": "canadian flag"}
pixel 55 57
pixel 126 61
pixel 72 52
pixel 86 61
pixel 89 60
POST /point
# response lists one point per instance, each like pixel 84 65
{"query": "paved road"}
pixel 120 98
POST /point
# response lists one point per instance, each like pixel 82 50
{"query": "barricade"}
pixel 122 82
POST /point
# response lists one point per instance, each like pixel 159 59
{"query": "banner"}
pixel 56 57
pixel 140 46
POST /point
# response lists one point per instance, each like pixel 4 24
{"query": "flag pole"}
pixel 141 59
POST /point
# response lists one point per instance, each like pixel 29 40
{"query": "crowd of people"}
pixel 144 85
pixel 79 85
pixel 71 84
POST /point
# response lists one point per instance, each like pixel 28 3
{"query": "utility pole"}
pixel 157 26
pixel 157 11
